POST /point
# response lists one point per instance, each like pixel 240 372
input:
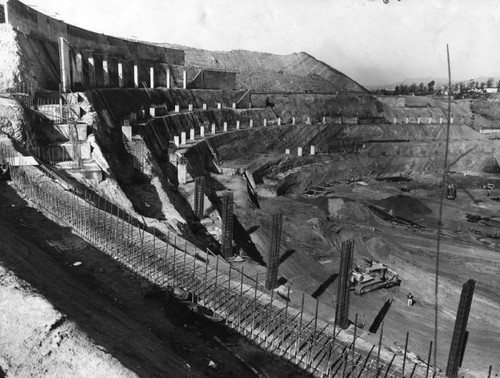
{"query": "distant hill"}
pixel 270 72
pixel 438 82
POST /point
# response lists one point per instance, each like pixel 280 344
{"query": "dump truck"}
pixel 372 276
pixel 451 192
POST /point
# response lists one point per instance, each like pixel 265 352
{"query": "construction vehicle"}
pixel 372 277
pixel 451 192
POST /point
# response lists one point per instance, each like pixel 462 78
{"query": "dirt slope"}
pixel 255 67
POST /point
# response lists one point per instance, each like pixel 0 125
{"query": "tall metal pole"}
pixel 440 216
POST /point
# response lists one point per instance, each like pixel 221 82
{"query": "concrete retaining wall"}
pixel 90 59
pixel 36 24
pixel 2 14
pixel 210 79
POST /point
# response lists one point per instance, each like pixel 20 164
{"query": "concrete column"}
pixel 234 105
pixel 168 78
pixel 219 105
pixel 460 334
pixel 225 126
pixel 279 121
pixel 184 79
pixel 451 120
pixel 237 125
pixel 152 112
pixel 190 107
pixel 227 225
pixel 64 64
pixel 127 132
pixel 407 120
pixel 105 72
pixel 183 138
pixel 324 120
pixel 213 128
pixel 126 122
pixel 418 120
pixel 199 196
pixel 299 151
pixel 136 76
pixel 293 121
pixel 176 141
pixel 265 122
pixel 204 106
pixel 308 122
pixel 343 298
pixel 91 72
pixel 440 120
pixel 120 75
pixel 78 77
pixel 177 108
pixel 151 77
pixel 85 151
pixel 182 171
pixel 251 123
pixel 430 120
pixel 395 121
pixel 274 252
pixel 313 150
pixel 287 151
pixel 191 134
pixel 202 131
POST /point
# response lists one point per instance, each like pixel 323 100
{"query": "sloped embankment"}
pixel 271 72
pixel 317 105
pixel 473 113
pixel 386 150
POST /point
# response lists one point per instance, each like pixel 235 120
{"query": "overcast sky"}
pixel 372 42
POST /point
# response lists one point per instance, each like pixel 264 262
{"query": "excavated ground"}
pixel 316 222
pixel 93 319
pixel 326 199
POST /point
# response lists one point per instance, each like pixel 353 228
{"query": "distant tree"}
pixel 421 88
pixel 482 85
pixel 498 84
pixel 412 88
pixel 471 85
pixel 489 82
pixel 396 90
pixel 430 87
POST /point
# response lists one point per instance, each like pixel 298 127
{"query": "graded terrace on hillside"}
pixel 170 211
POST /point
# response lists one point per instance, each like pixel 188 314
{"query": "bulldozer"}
pixel 372 277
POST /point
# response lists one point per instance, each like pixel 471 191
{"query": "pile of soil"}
pixel 403 206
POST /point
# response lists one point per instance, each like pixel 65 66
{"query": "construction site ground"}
pixel 315 226
pixel 71 309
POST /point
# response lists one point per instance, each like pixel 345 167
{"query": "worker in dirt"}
pixel 410 299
